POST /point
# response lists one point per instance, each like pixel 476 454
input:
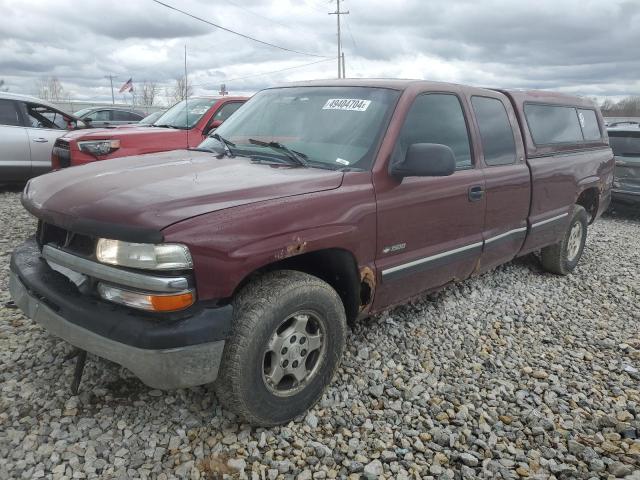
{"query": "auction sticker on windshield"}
pixel 352 104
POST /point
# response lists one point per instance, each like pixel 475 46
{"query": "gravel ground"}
pixel 515 374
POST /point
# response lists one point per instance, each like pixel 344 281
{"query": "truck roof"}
pixel 544 96
pixel 518 95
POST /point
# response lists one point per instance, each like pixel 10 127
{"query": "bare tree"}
pixel 2 87
pixel 50 88
pixel 627 107
pixel 150 92
pixel 607 105
pixel 181 90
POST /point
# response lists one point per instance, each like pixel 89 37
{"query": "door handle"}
pixel 476 193
pixel 40 140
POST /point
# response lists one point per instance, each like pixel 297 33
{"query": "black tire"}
pixel 561 258
pixel 260 309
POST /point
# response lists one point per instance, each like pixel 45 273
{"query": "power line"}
pixel 273 71
pixel 353 40
pixel 237 33
pixel 257 14
pixel 278 71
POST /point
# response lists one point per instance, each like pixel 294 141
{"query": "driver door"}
pixel 430 228
pixel 44 126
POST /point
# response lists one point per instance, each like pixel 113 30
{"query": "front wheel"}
pixel 563 257
pixel 288 336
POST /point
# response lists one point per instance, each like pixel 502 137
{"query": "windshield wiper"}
pixel 226 144
pixel 297 157
pixel 169 126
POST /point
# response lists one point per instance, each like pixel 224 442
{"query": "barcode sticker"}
pixel 351 104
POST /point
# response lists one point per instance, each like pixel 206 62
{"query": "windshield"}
pixel 336 127
pixel 82 112
pixel 625 145
pixel 178 117
pixel 150 119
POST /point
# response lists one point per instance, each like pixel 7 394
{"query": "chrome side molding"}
pixel 549 220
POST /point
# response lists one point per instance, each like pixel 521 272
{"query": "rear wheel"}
pixel 288 337
pixel 563 257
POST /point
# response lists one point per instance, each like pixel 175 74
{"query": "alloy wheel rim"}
pixel 293 354
pixel 575 240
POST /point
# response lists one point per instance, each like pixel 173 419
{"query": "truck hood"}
pixel 134 198
pixel 108 133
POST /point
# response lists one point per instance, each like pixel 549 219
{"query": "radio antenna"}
pixel 186 93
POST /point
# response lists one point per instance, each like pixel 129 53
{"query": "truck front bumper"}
pixel 163 353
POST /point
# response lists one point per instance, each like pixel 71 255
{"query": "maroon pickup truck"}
pixel 242 261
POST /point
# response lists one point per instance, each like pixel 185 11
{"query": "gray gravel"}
pixel 515 374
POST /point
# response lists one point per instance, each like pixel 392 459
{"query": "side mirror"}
pixel 425 160
pixel 212 126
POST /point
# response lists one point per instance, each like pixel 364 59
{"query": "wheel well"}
pixel 335 266
pixel 589 200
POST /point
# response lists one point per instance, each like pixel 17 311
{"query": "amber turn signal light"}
pixel 147 301
pixel 170 303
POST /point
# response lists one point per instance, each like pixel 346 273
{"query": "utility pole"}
pixel 337 13
pixel 111 77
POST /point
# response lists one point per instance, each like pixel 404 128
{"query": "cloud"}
pixel 585 47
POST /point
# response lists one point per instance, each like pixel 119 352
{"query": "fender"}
pixel 286 245
pixel 230 244
pixel 589 182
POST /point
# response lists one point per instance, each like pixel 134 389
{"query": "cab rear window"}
pixel 557 124
pixel 589 124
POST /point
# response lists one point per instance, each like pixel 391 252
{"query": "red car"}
pixel 183 126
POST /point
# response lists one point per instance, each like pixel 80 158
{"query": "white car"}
pixel 28 129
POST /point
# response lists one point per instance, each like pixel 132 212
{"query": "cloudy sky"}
pixel 588 47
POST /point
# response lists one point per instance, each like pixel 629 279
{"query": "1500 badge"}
pixel 394 248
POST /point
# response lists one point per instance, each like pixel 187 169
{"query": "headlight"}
pixel 165 256
pixel 99 147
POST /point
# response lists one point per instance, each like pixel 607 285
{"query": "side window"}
pixel 589 124
pixel 437 118
pixel 551 124
pixel 9 113
pixel 496 133
pixel 123 116
pixel 100 116
pixel 226 110
pixel 56 118
pixel 40 116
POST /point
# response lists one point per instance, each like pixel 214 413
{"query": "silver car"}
pixel 28 129
pixel 101 117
